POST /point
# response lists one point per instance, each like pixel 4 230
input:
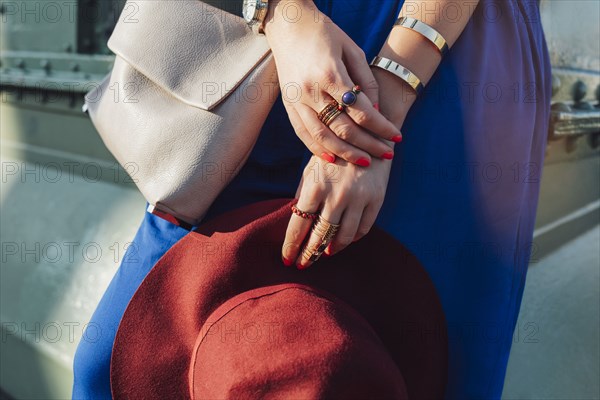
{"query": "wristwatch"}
pixel 255 12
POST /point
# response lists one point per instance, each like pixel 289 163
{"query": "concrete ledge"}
pixel 62 241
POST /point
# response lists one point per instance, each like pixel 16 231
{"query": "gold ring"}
pixel 310 254
pixel 326 231
pixel 331 116
pixel 330 112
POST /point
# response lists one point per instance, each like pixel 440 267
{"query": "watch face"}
pixel 249 10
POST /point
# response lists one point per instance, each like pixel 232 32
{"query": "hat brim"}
pixel 240 251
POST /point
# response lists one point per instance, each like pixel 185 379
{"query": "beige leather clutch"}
pixel 185 101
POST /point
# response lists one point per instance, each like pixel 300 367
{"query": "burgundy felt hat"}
pixel 220 317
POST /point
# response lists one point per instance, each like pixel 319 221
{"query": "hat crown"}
pixel 293 341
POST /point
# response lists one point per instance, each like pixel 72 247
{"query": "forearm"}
pixel 415 52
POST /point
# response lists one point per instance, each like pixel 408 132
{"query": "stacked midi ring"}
pixel 330 112
pixel 326 231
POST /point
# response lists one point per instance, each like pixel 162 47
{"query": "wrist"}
pixel 396 97
pixel 273 4
pixel 284 12
pixel 410 50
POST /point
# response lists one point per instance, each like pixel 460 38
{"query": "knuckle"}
pixel 328 76
pixel 319 134
pixel 344 132
pixel 298 128
pixel 372 85
pixel 362 118
pixel 363 231
pixel 301 132
pixel 359 52
pixel 362 192
pixel 294 237
pixel 305 86
pixel 313 185
pixel 349 155
pixel 339 199
pixel 290 248
pixel 307 90
pixel 342 241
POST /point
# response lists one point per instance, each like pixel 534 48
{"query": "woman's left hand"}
pixel 343 193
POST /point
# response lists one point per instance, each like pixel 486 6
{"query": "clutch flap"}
pixel 195 51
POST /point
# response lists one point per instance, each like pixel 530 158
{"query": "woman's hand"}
pixel 343 194
pixel 317 62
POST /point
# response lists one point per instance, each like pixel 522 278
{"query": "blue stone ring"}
pixel 349 98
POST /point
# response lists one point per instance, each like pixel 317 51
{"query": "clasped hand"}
pixel 346 179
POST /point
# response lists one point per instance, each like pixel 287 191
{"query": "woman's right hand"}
pixel 316 61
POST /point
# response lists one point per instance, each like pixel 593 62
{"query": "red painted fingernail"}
pixel 376 106
pixel 328 157
pixel 388 156
pixel 363 162
pixel 300 266
pixel 397 138
pixel 287 262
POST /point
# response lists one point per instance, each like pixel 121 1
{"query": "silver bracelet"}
pixel 425 30
pixel 401 72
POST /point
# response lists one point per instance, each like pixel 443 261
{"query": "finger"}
pixel 367 220
pixel 329 140
pixel 299 189
pixel 347 130
pixel 331 212
pixel 306 137
pixel 297 229
pixel 362 111
pixel 362 75
pixel 350 222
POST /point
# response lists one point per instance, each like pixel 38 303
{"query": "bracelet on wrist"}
pixel 433 36
pixel 400 71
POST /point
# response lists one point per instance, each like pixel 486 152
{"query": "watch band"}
pixel 258 21
pixel 401 72
pixel 425 30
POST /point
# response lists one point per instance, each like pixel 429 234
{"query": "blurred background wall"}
pixel 68 210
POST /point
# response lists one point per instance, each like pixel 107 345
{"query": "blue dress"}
pixel 462 194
